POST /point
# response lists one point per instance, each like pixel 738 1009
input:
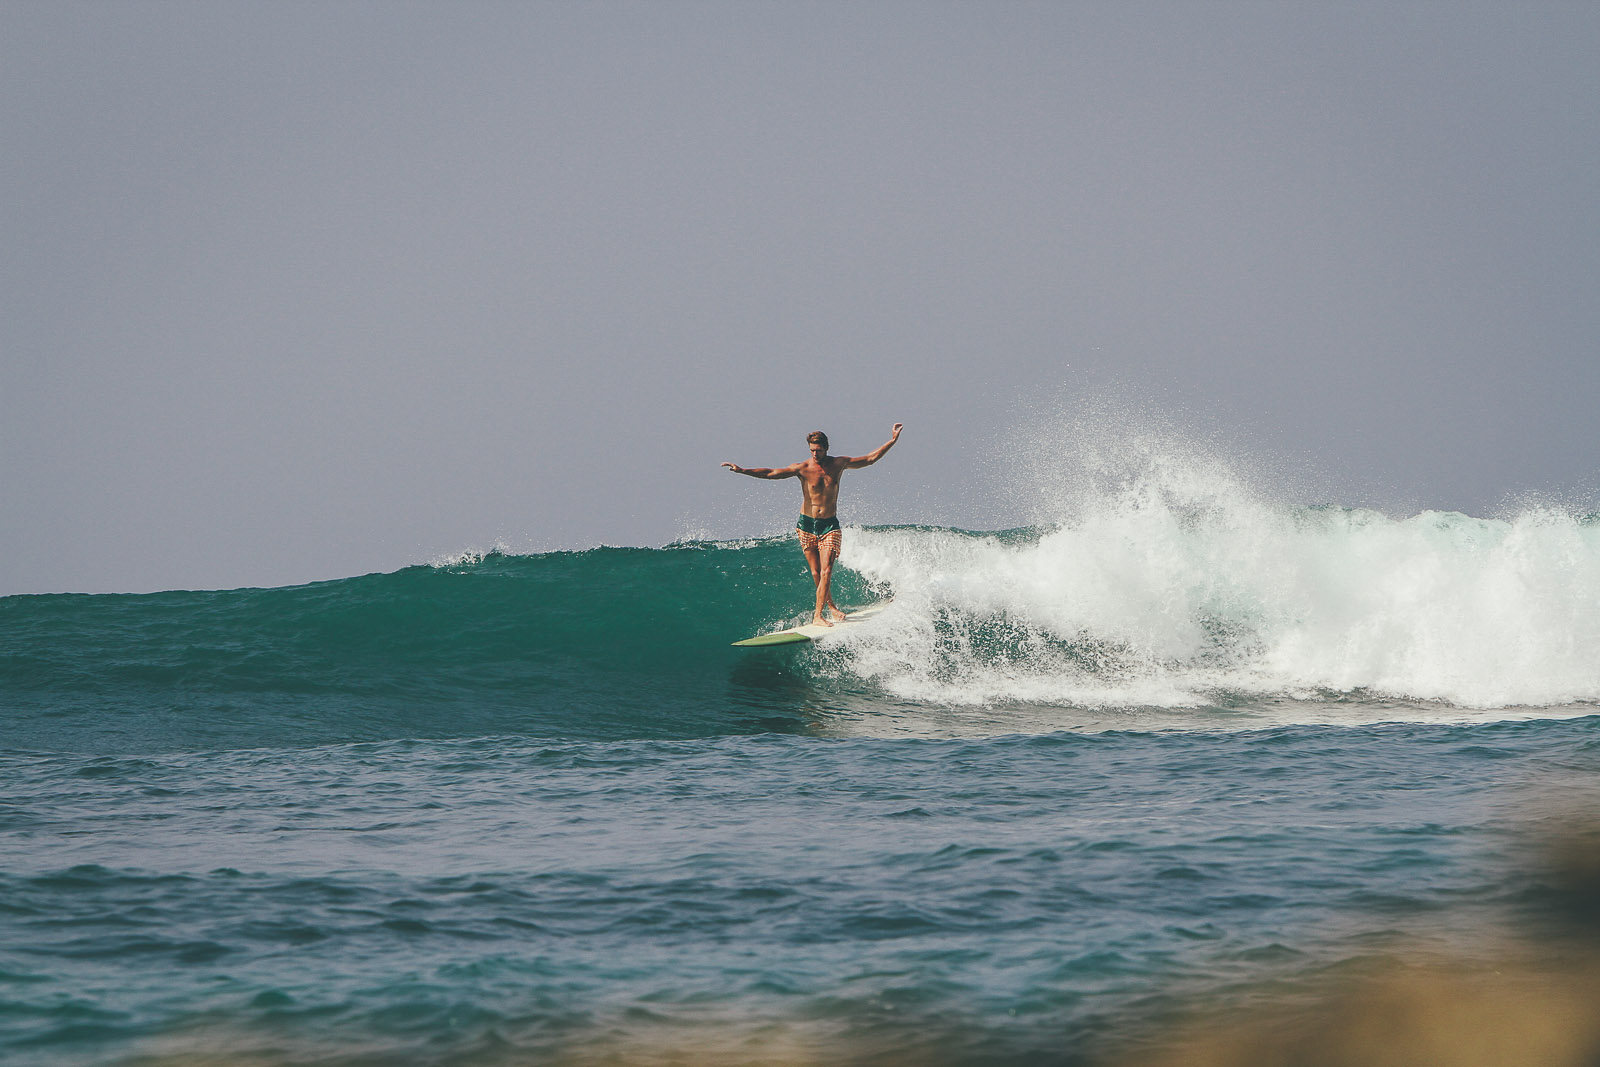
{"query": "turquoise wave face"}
pixel 603 644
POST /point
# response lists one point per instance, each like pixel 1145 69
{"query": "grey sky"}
pixel 298 291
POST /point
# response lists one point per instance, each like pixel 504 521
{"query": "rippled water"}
pixel 962 900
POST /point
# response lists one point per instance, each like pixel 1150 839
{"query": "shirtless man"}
pixel 818 528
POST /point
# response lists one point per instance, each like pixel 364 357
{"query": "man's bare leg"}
pixel 827 585
pixel 838 612
pixel 824 577
pixel 814 561
pixel 825 591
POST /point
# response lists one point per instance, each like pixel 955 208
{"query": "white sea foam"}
pixel 469 557
pixel 1169 581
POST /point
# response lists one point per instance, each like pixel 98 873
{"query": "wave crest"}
pixel 1177 584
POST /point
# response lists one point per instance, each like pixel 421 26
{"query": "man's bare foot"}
pixel 838 616
pixel 818 620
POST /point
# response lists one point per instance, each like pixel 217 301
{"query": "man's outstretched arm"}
pixel 765 472
pixel 877 453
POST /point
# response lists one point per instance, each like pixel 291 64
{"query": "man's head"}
pixel 817 441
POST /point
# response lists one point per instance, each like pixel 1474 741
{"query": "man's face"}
pixel 818 450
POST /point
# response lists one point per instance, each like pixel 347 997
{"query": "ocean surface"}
pixel 1157 761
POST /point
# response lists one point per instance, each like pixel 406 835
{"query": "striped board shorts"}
pixel 822 534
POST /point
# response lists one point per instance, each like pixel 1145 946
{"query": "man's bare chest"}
pixel 819 479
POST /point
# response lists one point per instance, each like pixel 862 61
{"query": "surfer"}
pixel 818 526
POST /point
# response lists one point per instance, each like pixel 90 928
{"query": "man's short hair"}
pixel 817 437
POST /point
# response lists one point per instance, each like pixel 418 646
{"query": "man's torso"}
pixel 819 487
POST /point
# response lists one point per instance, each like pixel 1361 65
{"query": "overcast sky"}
pixel 298 291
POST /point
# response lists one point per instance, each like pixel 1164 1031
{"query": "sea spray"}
pixel 1171 581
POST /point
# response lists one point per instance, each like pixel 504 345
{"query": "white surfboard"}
pixel 811 631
